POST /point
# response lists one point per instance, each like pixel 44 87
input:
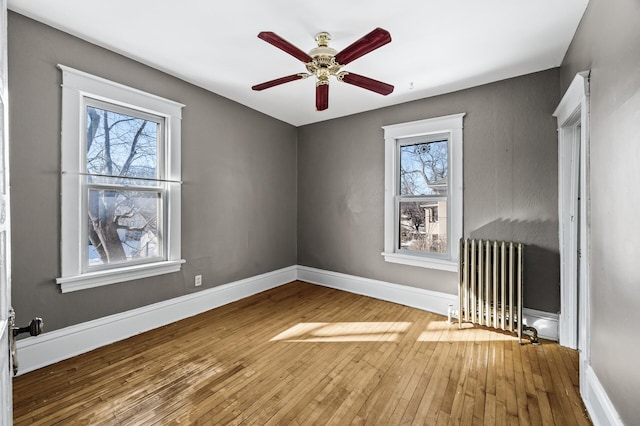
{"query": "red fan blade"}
pixel 368 83
pixel 322 97
pixel 375 39
pixel 280 43
pixel 278 81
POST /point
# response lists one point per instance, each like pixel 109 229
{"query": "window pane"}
pixel 121 145
pixel 423 226
pixel 124 226
pixel 424 168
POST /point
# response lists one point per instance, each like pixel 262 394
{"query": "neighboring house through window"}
pixel 423 192
pixel 120 183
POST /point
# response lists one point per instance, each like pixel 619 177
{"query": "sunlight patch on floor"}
pixel 343 332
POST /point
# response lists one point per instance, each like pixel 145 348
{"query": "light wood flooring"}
pixel 302 354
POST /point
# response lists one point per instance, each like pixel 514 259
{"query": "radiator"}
pixel 491 286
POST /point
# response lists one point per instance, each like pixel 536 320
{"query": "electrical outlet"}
pixel 198 280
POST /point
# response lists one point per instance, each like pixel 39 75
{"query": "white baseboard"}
pixel 545 322
pixel 599 406
pixel 51 347
pixel 426 300
pixel 61 344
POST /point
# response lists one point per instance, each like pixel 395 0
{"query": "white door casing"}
pixel 573 205
pixel 6 416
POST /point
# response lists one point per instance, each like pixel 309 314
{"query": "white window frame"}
pixel 77 86
pixel 452 126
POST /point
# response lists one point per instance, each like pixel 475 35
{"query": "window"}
pixel 120 183
pixel 422 177
pixel 423 192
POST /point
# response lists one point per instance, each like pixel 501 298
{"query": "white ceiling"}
pixel 437 46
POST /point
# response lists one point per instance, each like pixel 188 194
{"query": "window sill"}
pixel 112 276
pixel 423 262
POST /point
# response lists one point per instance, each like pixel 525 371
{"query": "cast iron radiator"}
pixel 491 286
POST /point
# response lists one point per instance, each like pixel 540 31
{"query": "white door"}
pixel 6 417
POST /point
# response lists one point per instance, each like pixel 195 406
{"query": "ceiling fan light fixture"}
pixel 324 62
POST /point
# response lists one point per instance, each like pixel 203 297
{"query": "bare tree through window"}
pixel 124 209
pixel 423 196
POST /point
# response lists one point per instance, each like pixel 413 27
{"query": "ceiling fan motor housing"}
pixel 324 63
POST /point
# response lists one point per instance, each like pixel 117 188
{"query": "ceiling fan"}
pixel 324 61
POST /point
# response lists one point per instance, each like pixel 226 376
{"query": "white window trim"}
pixel 452 125
pixel 76 85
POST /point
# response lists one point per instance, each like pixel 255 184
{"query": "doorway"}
pixel 573 208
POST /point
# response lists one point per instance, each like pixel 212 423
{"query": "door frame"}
pixel 6 405
pixel 574 216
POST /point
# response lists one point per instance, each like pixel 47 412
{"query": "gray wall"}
pixel 510 184
pixel 238 167
pixel 608 43
pixel 240 216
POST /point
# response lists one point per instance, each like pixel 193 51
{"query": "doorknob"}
pixel 35 327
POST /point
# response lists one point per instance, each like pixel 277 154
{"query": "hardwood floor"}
pixel 302 354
